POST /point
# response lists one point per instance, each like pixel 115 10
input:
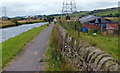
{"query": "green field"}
pixel 13 46
pixel 113 18
pixel 107 43
pixel 110 12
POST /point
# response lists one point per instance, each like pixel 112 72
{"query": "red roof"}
pixel 112 26
pixel 91 26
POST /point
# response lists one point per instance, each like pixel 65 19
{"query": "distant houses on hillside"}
pixel 101 23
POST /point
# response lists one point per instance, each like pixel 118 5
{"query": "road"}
pixel 29 58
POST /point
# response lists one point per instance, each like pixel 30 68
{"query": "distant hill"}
pixel 110 12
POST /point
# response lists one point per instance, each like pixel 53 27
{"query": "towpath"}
pixel 29 58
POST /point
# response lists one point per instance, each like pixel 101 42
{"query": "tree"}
pixel 68 17
pixel 117 15
pixel 50 18
pixel 15 21
pixel 45 19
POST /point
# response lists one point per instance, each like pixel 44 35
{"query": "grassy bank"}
pixel 13 46
pixel 30 21
pixel 107 43
pixel 4 24
pixel 53 56
pixel 54 59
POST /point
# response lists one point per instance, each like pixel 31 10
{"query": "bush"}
pixel 15 21
pixel 45 20
pixel 68 17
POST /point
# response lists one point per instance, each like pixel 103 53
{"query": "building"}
pixel 111 28
pixel 94 22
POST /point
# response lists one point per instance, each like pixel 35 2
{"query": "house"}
pixel 111 28
pixel 94 22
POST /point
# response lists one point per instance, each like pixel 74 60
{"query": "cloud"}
pixel 96 5
pixel 34 7
pixel 39 1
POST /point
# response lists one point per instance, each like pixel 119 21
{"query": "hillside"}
pixel 110 12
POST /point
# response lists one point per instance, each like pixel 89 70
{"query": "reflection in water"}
pixel 10 32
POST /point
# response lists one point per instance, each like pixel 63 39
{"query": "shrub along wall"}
pixel 83 56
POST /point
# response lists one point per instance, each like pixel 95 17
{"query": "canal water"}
pixel 6 33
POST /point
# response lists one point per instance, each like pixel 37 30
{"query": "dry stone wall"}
pixel 85 57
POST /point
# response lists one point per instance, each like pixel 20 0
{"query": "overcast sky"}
pixel 45 7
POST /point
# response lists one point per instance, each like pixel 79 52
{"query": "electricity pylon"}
pixel 69 6
pixel 4 11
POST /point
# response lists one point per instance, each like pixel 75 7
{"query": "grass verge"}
pixel 13 46
pixel 54 59
pixel 53 56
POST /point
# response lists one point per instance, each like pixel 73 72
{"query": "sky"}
pixel 46 7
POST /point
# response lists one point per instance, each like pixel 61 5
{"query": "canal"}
pixel 6 33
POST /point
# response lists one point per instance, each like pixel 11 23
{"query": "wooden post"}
pixel 75 27
pixel 78 30
pixel 101 28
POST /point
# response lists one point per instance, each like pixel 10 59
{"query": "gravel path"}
pixel 29 58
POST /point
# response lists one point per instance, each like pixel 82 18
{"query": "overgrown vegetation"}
pixel 107 43
pixel 53 55
pixel 15 22
pixel 48 18
pixel 55 60
pixel 13 46
pixel 29 22
pixel 68 17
